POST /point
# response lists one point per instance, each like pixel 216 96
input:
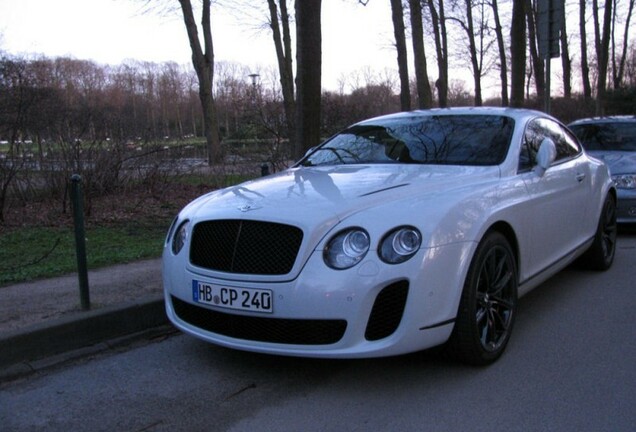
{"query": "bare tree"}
pixel 566 61
pixel 308 75
pixel 618 66
pixel 424 94
pixel 630 67
pixel 585 68
pixel 16 100
pixel 537 62
pixel 476 51
pixel 602 40
pixel 438 18
pixel 282 43
pixel 203 62
pixel 501 47
pixel 518 53
pixel 397 14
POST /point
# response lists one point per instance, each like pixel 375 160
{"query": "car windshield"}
pixel 439 140
pixel 607 136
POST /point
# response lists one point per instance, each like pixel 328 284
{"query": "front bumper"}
pixel 626 206
pixel 370 310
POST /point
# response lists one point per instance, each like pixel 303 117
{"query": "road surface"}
pixel 570 366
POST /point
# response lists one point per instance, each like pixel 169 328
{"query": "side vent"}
pixel 387 311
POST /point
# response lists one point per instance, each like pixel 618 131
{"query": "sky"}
pixel 355 37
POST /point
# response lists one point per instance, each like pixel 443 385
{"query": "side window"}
pixel 525 161
pixel 573 148
pixel 566 146
pixel 537 130
pixel 532 139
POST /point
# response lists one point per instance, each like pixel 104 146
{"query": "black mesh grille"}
pixel 261 329
pixel 246 247
pixel 387 311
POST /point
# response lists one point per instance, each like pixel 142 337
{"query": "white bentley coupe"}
pixel 400 233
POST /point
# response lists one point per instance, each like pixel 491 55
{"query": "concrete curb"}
pixel 76 332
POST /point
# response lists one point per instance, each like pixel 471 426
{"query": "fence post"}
pixel 80 239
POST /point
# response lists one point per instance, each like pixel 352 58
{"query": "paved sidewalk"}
pixel 44 318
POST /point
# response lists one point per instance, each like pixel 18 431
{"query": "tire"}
pixel 600 255
pixel 488 304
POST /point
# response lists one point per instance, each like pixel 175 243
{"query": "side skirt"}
pixel 532 282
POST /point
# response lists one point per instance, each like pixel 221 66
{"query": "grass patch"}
pixel 37 239
pixel 41 252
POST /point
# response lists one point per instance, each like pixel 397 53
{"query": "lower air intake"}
pixel 261 329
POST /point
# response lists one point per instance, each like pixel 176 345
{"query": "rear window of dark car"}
pixel 619 136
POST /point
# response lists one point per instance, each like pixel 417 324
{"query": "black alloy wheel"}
pixel 488 304
pixel 609 230
pixel 600 255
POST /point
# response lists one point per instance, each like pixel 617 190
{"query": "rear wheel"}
pixel 600 255
pixel 488 303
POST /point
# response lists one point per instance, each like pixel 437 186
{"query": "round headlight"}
pixel 180 237
pixel 347 248
pixel 400 244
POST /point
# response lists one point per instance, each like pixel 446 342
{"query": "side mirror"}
pixel 545 156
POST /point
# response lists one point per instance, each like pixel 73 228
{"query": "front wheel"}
pixel 488 304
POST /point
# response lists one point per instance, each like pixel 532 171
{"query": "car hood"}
pixel 618 162
pixel 312 196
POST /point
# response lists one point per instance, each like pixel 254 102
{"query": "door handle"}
pixel 580 177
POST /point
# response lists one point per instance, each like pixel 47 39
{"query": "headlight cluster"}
pixel 625 181
pixel 399 245
pixel 180 236
pixel 347 248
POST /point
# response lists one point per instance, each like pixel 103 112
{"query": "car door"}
pixel 558 199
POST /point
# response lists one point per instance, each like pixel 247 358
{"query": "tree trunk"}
pixel 282 44
pixel 603 44
pixel 503 66
pixel 518 53
pixel 424 94
pixel 566 62
pixel 444 74
pixel 537 62
pixel 441 48
pixel 308 75
pixel 585 69
pixel 597 29
pixel 474 61
pixel 203 63
pixel 397 14
pixel 619 70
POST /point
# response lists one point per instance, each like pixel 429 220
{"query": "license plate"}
pixel 253 300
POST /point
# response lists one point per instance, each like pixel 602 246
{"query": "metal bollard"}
pixel 80 239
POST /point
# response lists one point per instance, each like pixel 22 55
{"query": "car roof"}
pixel 515 113
pixel 605 119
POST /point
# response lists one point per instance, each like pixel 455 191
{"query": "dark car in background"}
pixel 613 139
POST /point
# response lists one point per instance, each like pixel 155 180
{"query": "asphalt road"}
pixel 570 366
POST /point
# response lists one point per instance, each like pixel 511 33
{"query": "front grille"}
pixel 261 329
pixel 387 311
pixel 245 247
